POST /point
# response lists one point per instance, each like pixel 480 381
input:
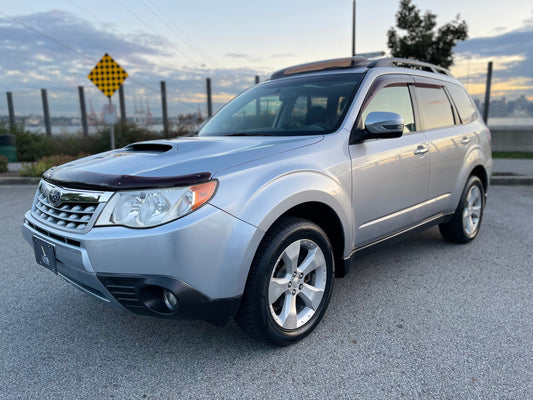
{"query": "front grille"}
pixel 54 236
pixel 73 210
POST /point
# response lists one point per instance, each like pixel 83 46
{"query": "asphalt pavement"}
pixel 420 319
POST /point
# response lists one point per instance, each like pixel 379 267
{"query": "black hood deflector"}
pixel 76 179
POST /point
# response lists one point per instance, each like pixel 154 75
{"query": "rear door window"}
pixel 435 109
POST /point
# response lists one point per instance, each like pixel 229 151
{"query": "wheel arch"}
pixel 475 163
pixel 328 220
pixel 481 173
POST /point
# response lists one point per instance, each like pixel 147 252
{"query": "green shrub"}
pixel 3 163
pixel 34 146
pixel 45 163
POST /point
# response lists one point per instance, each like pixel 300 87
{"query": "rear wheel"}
pixel 465 223
pixel 289 284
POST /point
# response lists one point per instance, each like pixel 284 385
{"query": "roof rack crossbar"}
pixel 406 63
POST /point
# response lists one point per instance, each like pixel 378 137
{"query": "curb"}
pixel 19 180
pixel 494 180
pixel 511 180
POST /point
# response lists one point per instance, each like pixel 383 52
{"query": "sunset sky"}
pixel 55 44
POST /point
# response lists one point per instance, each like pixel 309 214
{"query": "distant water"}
pixel 508 122
pixel 76 129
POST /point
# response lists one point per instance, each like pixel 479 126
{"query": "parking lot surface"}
pixel 421 318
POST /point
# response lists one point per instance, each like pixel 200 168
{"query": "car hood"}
pixel 176 162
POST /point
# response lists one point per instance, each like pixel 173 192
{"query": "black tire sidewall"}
pixel 298 230
pixel 473 181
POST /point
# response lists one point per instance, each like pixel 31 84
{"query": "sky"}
pixel 54 44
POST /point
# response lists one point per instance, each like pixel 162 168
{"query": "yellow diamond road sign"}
pixel 107 75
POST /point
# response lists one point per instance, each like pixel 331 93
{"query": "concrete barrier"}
pixel 512 138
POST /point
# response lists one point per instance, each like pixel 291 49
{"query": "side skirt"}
pixel 393 238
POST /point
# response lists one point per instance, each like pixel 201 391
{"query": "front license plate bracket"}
pixel 45 254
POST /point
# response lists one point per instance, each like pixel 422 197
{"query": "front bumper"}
pixel 203 258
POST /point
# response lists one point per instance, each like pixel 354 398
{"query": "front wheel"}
pixel 289 284
pixel 465 223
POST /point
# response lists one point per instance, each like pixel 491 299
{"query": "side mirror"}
pixel 383 125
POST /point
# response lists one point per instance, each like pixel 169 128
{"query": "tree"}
pixel 420 41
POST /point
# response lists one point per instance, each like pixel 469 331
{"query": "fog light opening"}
pixel 170 300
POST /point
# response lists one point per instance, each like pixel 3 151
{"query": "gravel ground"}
pixel 419 319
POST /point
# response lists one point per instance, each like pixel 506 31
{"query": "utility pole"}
pixel 122 104
pixel 209 104
pixel 83 111
pixel 487 93
pixel 164 107
pixel 258 100
pixel 46 113
pixel 353 28
pixel 11 108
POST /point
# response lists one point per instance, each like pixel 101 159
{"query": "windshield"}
pixel 312 105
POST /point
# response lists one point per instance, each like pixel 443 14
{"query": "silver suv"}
pixel 279 193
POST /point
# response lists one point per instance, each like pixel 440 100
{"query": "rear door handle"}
pixel 465 140
pixel 421 150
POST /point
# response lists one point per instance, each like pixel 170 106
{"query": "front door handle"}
pixel 465 140
pixel 421 150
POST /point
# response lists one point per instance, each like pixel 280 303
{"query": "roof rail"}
pixel 337 63
pixel 406 63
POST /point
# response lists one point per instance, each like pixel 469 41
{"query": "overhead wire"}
pixel 77 51
pixel 158 34
pixel 181 35
pixel 151 28
pixel 87 12
pixel 184 37
pixel 189 41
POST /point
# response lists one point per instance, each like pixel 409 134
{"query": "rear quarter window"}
pixel 463 102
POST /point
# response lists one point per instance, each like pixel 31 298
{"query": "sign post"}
pixel 108 76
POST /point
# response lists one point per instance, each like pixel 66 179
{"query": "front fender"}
pixel 275 195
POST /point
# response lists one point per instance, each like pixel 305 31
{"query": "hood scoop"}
pixel 153 148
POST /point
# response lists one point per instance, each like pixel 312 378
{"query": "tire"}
pixel 465 223
pixel 289 284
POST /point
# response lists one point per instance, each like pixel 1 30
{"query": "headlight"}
pixel 147 208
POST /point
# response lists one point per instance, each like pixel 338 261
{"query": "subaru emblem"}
pixel 54 197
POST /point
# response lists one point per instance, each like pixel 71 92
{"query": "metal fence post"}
pixel 122 104
pixel 46 113
pixel 11 109
pixel 257 101
pixel 83 111
pixel 487 93
pixel 209 104
pixel 164 107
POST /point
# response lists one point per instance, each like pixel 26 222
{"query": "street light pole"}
pixel 353 29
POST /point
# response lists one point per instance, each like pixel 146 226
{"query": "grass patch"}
pixel 512 154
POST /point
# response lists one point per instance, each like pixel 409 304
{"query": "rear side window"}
pixel 435 108
pixel 467 110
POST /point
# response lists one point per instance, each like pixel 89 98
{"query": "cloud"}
pixel 60 57
pixel 515 43
pixel 236 55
